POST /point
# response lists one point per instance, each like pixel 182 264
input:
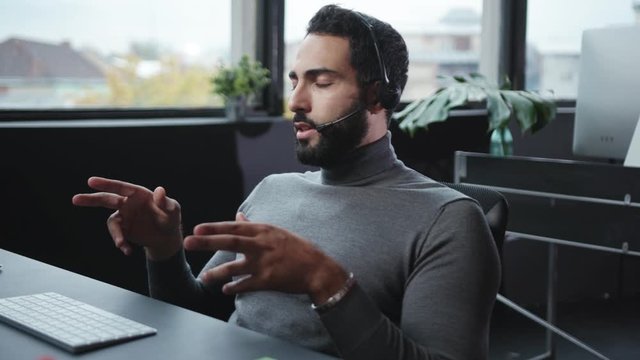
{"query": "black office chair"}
pixel 496 210
pixel 494 206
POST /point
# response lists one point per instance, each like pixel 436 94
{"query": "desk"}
pixel 182 334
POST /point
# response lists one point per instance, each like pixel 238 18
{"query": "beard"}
pixel 335 141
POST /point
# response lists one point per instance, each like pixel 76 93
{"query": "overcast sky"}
pixel 189 25
pixel 113 24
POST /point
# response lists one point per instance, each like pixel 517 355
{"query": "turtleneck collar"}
pixel 362 163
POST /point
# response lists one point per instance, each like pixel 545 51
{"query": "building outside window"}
pixel 554 33
pixel 111 54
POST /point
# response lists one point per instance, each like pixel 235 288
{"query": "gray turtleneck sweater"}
pixel 426 266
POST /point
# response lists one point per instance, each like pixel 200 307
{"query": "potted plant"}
pixel 237 84
pixel 531 110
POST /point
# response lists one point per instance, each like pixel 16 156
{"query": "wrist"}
pixel 159 253
pixel 327 283
pixel 337 297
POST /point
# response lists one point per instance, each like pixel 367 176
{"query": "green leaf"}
pixel 457 96
pixel 545 108
pixel 499 111
pixel 480 81
pixel 420 111
pixel 476 94
pixel 436 111
pixel 523 108
pixel 409 122
pixel 408 109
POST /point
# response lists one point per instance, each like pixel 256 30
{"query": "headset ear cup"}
pixel 389 96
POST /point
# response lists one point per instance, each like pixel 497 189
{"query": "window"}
pixel 554 31
pixel 111 54
pixel 443 37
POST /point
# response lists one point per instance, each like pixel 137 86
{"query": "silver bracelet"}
pixel 333 300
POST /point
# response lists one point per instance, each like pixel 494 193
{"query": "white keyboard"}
pixel 68 323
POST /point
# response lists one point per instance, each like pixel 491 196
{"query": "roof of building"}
pixel 32 59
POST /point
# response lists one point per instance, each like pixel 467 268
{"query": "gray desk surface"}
pixel 182 334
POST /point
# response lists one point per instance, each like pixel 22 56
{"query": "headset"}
pixel 388 94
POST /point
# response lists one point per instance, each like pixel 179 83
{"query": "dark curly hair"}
pixel 336 21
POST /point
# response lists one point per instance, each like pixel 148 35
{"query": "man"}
pixel 366 258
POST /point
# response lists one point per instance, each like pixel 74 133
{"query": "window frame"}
pixel 515 44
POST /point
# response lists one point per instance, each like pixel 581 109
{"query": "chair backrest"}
pixel 494 206
pixel 496 211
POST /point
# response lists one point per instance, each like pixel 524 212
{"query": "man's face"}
pixel 325 89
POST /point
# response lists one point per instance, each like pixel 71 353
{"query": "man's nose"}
pixel 299 101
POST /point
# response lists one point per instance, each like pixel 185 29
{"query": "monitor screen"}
pixel 608 102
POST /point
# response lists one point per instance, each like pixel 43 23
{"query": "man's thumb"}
pixel 161 200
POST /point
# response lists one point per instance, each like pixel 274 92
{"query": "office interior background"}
pixel 122 89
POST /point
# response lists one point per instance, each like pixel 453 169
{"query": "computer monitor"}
pixel 608 102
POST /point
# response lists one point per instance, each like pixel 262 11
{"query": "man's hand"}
pixel 142 217
pixel 274 259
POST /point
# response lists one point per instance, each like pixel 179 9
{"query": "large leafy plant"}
pixel 531 110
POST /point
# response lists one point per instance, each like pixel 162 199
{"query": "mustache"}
pixel 300 117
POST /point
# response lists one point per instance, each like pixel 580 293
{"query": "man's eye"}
pixel 323 85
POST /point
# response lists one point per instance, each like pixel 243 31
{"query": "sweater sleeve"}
pixel 447 303
pixel 172 280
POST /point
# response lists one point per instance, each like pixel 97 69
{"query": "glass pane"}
pixel 116 53
pixel 443 37
pixel 554 35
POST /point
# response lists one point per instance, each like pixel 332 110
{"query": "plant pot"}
pixel 236 108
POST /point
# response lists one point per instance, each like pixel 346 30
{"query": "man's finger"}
pixel 226 271
pixel 114 186
pixel 247 283
pixel 101 199
pixel 241 217
pixel 242 228
pixel 114 225
pixel 233 243
pixel 161 200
